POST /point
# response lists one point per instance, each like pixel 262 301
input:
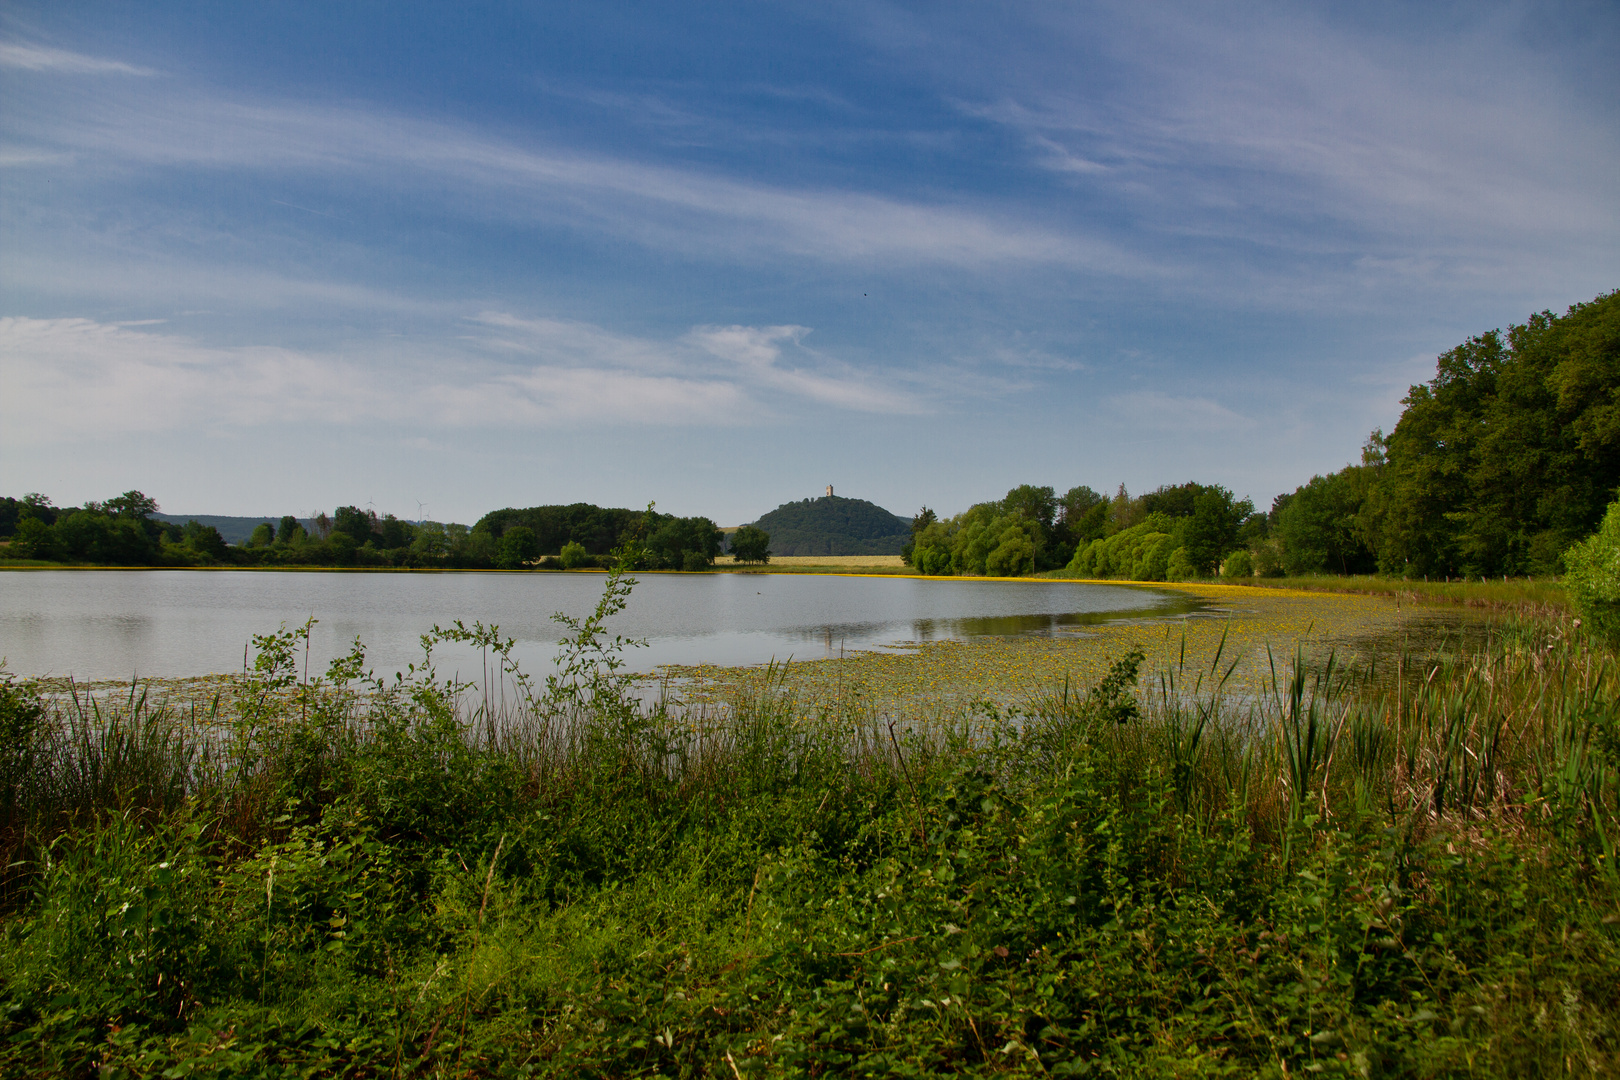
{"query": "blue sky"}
pixel 443 259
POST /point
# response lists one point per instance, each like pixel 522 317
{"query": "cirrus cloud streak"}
pixel 68 379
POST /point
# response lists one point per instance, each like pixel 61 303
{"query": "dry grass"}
pixel 836 562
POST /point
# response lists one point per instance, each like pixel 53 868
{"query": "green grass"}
pixel 1409 875
pixel 1542 596
pixel 1515 594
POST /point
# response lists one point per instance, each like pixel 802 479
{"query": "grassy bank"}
pixel 1142 876
pixel 1543 595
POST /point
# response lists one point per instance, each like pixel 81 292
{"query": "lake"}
pixel 114 624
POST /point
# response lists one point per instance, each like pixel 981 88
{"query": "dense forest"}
pixel 1497 465
pixel 834 525
pixel 582 534
pixel 125 531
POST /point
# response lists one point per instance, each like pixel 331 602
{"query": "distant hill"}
pixel 834 525
pixel 235 530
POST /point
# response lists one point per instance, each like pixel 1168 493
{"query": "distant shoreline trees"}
pixel 1173 533
pixel 122 532
pixel 1497 466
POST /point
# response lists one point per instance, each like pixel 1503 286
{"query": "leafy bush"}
pixel 1238 565
pixel 1179 567
pixel 1133 553
pixel 1268 559
pixel 574 556
pixel 1593 577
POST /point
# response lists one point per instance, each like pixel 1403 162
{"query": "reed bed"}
pixel 1397 867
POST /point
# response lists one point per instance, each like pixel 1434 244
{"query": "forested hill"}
pixel 833 525
pixel 234 529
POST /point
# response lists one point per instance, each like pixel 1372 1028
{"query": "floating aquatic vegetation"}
pixel 1240 624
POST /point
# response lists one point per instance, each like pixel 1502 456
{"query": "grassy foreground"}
pixel 1147 876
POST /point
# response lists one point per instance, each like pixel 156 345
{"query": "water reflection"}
pixel 112 624
pixel 841 638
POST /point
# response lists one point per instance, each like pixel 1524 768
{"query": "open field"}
pixel 833 562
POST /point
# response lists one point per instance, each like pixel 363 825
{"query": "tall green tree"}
pixel 1319 526
pixel 358 524
pixel 1082 516
pixel 518 547
pixel 751 545
pixel 1508 455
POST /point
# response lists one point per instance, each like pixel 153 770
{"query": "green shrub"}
pixel 1593 579
pixel 1013 555
pixel 1268 561
pixel 1237 565
pixel 574 556
pixel 1141 552
pixel 1179 567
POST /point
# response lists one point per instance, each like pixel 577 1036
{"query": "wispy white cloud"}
pixel 14 54
pixel 23 156
pixel 65 379
pixel 752 356
pixel 1152 410
pixel 565 342
pixel 1268 127
pixel 756 351
pixel 83 264
pixel 486 175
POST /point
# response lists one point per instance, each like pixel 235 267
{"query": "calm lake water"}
pixel 173 623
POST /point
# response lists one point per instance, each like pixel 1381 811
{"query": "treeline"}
pixel 582 534
pixel 118 532
pixel 1184 530
pixel 1497 466
pixel 123 532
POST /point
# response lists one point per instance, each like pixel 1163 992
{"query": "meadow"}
pixel 861 563
pixel 1302 838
